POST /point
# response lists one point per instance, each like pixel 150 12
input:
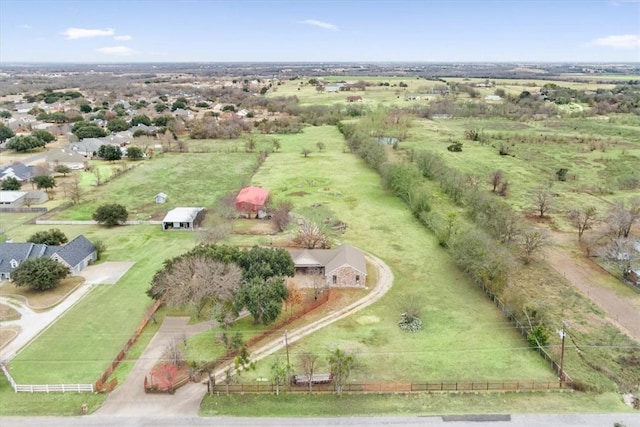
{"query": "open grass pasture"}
pixel 600 157
pixel 189 180
pixel 464 336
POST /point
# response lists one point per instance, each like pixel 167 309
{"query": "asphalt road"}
pixel 565 420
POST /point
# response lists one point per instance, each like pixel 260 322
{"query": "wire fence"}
pixel 397 387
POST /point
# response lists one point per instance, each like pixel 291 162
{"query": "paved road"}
pixel 566 420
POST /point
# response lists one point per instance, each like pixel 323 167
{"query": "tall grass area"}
pixel 464 336
pixel 601 157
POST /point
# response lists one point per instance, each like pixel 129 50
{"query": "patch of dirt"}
pixel 254 227
pixel 42 300
pixel 298 194
pixel 7 334
pixel 7 313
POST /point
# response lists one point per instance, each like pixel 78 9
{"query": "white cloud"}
pixel 117 51
pixel 83 33
pixel 122 38
pixel 320 24
pixel 25 26
pixel 626 41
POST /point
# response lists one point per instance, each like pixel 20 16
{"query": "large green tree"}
pixel 117 125
pixel 109 152
pixel 5 132
pixel 10 184
pixel 263 298
pixel 45 182
pixel 51 237
pixel 24 143
pixel 87 130
pixel 140 119
pixel 134 153
pixel 39 273
pixel 111 214
pixel 43 135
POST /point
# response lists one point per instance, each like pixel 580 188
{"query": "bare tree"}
pixel 542 200
pixel 73 189
pixel 533 241
pixel 308 362
pixel 621 253
pixel 621 218
pixel 582 218
pixel 495 179
pixel 196 281
pixel 311 236
pixel 98 175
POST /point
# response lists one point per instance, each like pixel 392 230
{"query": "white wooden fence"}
pixel 46 388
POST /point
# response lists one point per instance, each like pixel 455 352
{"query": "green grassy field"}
pixel 287 405
pixel 464 336
pixel 188 179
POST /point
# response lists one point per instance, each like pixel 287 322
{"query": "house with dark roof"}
pixel 16 170
pixel 76 255
pixel 344 266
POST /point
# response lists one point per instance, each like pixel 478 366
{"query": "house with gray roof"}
pixel 344 266
pixel 76 255
pixel 16 170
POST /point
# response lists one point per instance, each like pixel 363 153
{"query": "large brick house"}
pixel 344 266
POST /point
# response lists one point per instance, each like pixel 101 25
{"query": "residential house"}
pixel 182 218
pixel 77 254
pixel 86 147
pixel 66 157
pixel 18 171
pixel 344 266
pixel 251 199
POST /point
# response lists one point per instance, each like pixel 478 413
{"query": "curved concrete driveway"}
pixel 33 323
pixel 130 400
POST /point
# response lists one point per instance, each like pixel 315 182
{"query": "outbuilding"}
pixel 182 218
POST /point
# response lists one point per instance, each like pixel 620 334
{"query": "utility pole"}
pixel 563 333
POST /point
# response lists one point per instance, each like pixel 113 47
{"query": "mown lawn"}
pixel 323 405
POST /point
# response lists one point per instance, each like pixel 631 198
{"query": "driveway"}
pixel 106 273
pixel 130 400
pixel 33 323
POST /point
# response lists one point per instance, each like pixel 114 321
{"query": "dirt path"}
pixel 129 399
pixel 620 304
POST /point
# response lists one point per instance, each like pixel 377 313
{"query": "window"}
pixel 14 263
pixel 335 279
pixel 357 280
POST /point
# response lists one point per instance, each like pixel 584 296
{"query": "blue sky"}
pixel 316 31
